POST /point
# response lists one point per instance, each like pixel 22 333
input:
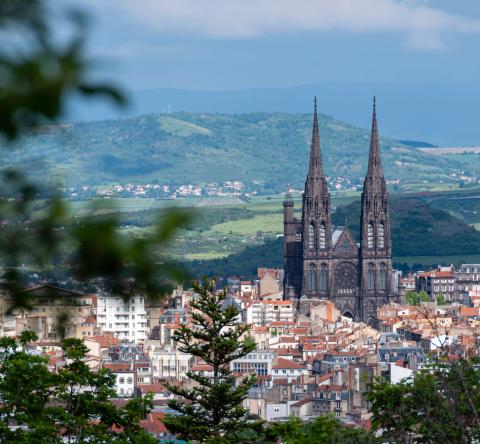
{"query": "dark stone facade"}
pixel 321 262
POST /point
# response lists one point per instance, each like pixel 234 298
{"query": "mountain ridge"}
pixel 266 149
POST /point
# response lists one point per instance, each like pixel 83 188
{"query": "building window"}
pixel 370 235
pixel 383 277
pixel 323 236
pixel 381 235
pixel 312 278
pixel 371 277
pixel 311 236
pixel 324 277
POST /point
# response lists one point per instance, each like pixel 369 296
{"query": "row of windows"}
pixel 312 236
pixel 312 278
pixel 322 236
pixel 443 288
pixel 122 380
pixel 380 235
pixel 323 281
pixel 259 368
pixel 132 301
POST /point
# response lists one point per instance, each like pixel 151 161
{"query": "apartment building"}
pixel 57 312
pixel 126 319
pixel 262 313
pixel 468 282
pixel 440 281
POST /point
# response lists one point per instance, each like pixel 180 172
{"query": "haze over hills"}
pixel 406 110
pixel 266 151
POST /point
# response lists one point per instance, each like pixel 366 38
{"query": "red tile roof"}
pixel 118 367
pixel 437 274
pixel 202 368
pixel 153 423
pixel 288 352
pixel 283 363
pixel 152 388
pixel 104 341
pixel 468 311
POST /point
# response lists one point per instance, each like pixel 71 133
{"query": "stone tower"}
pixel 316 223
pixel 375 236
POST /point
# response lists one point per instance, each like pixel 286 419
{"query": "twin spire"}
pixel 374 162
pixel 315 170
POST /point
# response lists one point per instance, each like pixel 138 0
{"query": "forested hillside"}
pixel 418 229
pixel 264 150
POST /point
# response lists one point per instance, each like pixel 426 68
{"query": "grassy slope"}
pixel 269 149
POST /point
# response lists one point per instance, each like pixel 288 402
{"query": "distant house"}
pixel 286 368
pixel 441 281
pixel 124 378
pixel 302 408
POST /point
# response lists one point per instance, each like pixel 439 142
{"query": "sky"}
pixel 238 44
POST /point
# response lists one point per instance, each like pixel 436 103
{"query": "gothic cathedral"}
pixel 321 262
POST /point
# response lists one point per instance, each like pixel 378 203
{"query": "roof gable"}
pixel 345 247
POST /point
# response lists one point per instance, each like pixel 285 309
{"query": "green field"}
pixel 265 223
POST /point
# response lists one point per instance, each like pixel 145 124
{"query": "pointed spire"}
pixel 374 162
pixel 315 169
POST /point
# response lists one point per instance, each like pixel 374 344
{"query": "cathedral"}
pixel 323 262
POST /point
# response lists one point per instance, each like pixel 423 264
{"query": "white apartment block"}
pixel 126 319
pixel 168 364
pixel 258 361
pixel 125 383
pixel 262 313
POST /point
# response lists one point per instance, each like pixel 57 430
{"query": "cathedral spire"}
pixel 315 169
pixel 374 162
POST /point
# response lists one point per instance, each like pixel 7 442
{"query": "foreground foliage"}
pixel 71 405
pixel 39 73
pixel 323 430
pixel 440 404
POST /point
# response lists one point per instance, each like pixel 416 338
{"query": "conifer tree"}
pixel 212 410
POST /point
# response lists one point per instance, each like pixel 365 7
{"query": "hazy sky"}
pixel 421 57
pixel 221 44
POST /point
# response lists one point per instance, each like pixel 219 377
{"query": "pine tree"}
pixel 212 410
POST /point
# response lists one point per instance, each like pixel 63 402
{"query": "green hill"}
pixel 418 229
pixel 264 150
